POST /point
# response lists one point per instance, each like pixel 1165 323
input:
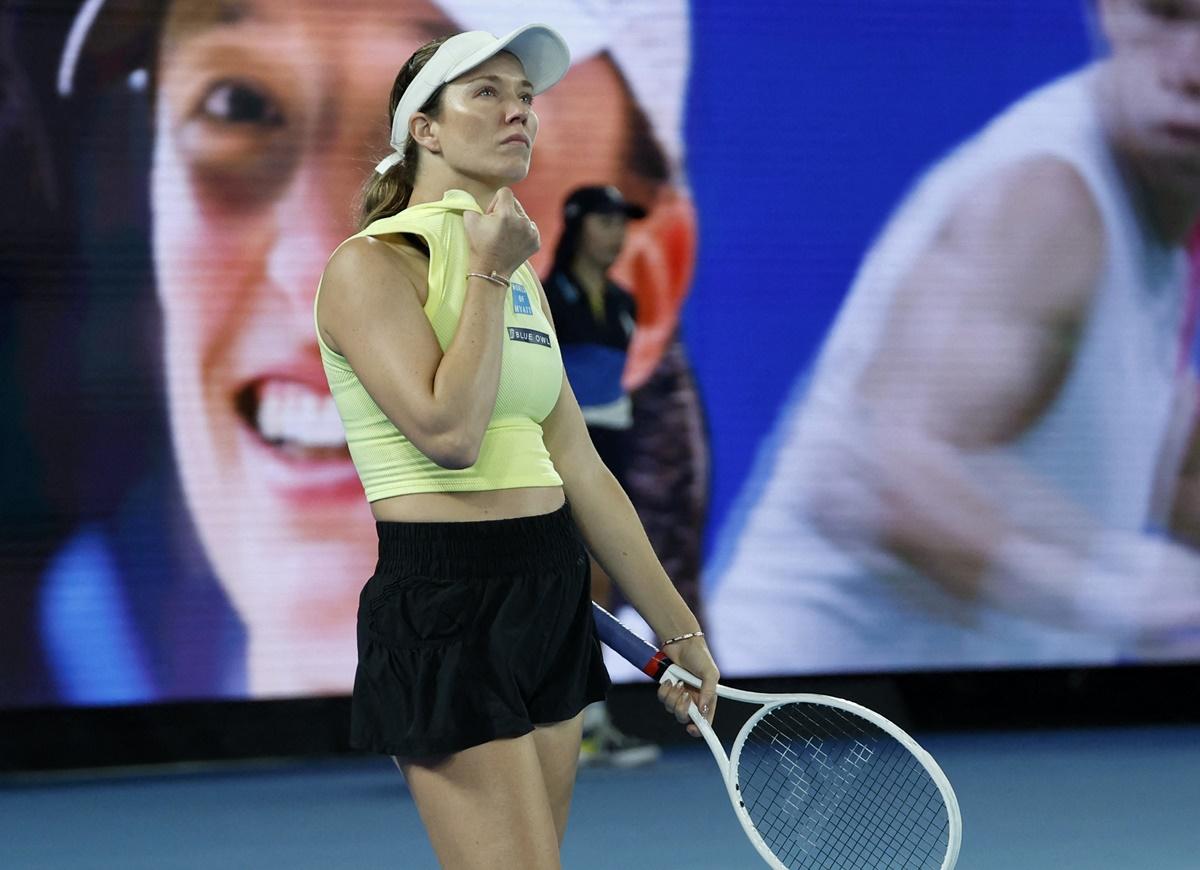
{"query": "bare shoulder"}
pixel 1033 200
pixel 1037 223
pixel 367 259
pixel 366 277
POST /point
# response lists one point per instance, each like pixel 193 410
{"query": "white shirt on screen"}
pixel 788 601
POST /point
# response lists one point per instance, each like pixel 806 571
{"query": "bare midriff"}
pixel 466 507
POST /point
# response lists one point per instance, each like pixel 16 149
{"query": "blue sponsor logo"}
pixel 521 304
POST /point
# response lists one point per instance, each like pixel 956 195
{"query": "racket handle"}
pixel 642 655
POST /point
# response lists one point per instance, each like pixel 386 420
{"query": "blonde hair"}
pixel 387 194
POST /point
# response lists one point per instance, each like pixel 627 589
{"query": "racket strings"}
pixel 827 788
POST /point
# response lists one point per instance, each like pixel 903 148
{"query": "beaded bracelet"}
pixel 687 636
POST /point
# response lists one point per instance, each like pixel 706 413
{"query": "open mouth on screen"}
pixel 293 417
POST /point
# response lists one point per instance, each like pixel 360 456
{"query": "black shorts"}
pixel 469 632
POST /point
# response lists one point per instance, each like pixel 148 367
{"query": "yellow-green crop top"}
pixel 513 453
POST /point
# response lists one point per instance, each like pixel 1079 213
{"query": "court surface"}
pixel 1126 799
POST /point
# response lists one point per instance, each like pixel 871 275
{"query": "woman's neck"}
pixel 433 182
pixel 1174 212
pixel 591 277
pixel 1170 211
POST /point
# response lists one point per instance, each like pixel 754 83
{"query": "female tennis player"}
pixel 477 651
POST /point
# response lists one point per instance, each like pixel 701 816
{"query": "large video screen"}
pixel 912 375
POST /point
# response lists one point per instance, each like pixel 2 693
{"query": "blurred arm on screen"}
pixel 976 345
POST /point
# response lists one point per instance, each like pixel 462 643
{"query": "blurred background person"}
pixel 237 112
pixel 594 319
pixel 995 462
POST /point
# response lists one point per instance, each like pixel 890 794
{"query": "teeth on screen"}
pixel 294 413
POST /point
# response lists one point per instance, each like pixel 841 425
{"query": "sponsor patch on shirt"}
pixel 521 304
pixel 531 336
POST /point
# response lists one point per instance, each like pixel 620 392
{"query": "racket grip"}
pixel 642 655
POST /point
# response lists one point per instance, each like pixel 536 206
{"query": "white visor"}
pixel 542 52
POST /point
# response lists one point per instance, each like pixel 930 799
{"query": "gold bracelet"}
pixel 687 636
pixel 496 278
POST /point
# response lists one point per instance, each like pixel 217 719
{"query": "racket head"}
pixel 819 782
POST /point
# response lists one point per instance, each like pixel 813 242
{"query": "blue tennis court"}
pixel 1105 799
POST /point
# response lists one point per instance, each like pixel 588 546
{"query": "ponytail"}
pixel 388 194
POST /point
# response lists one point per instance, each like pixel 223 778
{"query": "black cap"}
pixel 604 199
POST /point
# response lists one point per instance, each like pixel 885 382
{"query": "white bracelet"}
pixel 496 278
pixel 687 636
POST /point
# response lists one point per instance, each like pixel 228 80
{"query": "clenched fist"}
pixel 503 237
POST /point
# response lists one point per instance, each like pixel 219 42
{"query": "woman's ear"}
pixel 423 130
pixel 657 265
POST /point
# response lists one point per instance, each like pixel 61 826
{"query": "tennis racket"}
pixel 818 782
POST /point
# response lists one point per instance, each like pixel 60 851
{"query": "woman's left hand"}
pixel 691 655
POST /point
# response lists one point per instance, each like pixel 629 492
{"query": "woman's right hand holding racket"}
pixel 692 655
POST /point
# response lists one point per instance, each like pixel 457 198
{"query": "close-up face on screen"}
pixel 264 121
pixel 912 334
